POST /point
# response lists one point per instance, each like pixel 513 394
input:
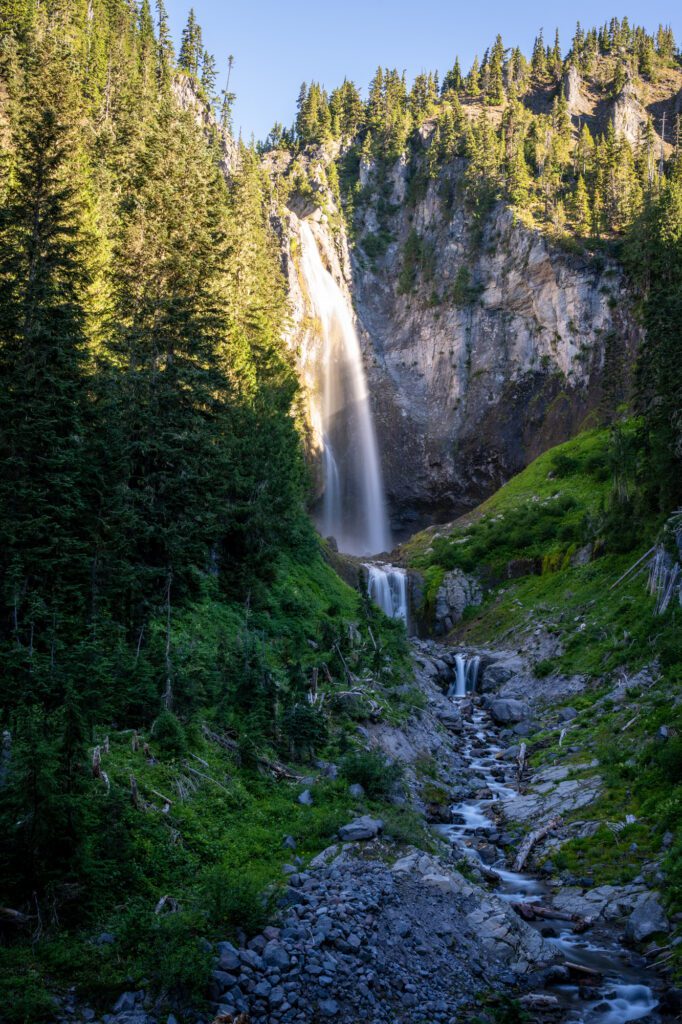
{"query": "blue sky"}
pixel 277 44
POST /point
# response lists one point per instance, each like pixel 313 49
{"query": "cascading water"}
pixel 466 675
pixel 387 586
pixel 353 506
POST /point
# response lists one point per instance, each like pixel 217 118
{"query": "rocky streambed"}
pixel 385 933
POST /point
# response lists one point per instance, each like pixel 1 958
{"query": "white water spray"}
pixel 353 507
pixel 466 676
pixel 387 586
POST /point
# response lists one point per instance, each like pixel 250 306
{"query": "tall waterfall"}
pixel 353 506
pixel 387 586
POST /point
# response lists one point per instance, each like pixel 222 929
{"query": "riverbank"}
pixel 451 925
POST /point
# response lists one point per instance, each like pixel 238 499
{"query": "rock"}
pixel 275 955
pixel 671 1001
pixel 456 592
pixel 229 960
pixel 125 1002
pixel 305 798
pixel 567 714
pixel 361 828
pixel 441 882
pixel 277 996
pixel 356 790
pixel 506 710
pixel 647 919
pixel 289 842
pixel 329 1007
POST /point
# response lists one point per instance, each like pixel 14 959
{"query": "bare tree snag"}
pixel 532 839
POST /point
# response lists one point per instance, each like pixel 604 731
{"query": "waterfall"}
pixel 466 676
pixel 387 586
pixel 353 507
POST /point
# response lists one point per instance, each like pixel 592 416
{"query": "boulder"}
pixel 647 919
pixel 456 592
pixel 362 828
pixel 506 711
pixel 305 798
pixel 356 791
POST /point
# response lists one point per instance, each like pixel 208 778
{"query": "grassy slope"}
pixel 219 848
pixel 544 515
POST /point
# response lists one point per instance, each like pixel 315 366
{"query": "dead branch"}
pixel 167 903
pixel 532 839
pixel 199 759
pixel 10 916
pixel 97 763
pixel 167 802
pixel 533 911
pixel 520 766
pixel 632 568
pixel 222 741
pixel 203 775
pixel 135 794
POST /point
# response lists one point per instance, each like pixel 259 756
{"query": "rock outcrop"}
pixel 456 592
pixel 506 347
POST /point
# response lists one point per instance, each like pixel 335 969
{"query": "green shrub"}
pixel 564 465
pixel 169 733
pixel 236 901
pixel 372 770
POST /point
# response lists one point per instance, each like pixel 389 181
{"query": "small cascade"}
pixel 353 507
pixel 466 675
pixel 387 586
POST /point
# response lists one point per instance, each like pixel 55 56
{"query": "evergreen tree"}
pixel 580 207
pixel 473 79
pixel 495 87
pixel 165 50
pixel 46 498
pixel 538 62
pixel 453 81
pixel 191 46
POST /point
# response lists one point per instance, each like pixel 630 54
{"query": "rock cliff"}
pixel 505 345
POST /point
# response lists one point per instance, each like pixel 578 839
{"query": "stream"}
pixel 613 991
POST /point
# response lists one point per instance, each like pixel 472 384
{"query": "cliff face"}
pixel 504 345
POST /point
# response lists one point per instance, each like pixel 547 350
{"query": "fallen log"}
pixel 539 1001
pixel 534 837
pixel 533 911
pixel 10 916
pixel 521 766
pixel 586 973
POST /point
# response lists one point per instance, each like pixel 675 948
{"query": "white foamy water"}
pixel 353 506
pixel 387 586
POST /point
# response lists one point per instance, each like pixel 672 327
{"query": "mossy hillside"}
pixel 606 631
pixel 232 773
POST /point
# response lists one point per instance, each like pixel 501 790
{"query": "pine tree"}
pixel 538 62
pixel 495 88
pixel 656 255
pixel 473 79
pixel 453 81
pixel 165 50
pixel 208 75
pixel 46 506
pixel 580 207
pixel 191 46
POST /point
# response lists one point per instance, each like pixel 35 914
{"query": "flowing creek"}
pixel 613 991
pixel 607 987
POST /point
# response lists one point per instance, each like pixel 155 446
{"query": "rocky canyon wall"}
pixel 503 345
